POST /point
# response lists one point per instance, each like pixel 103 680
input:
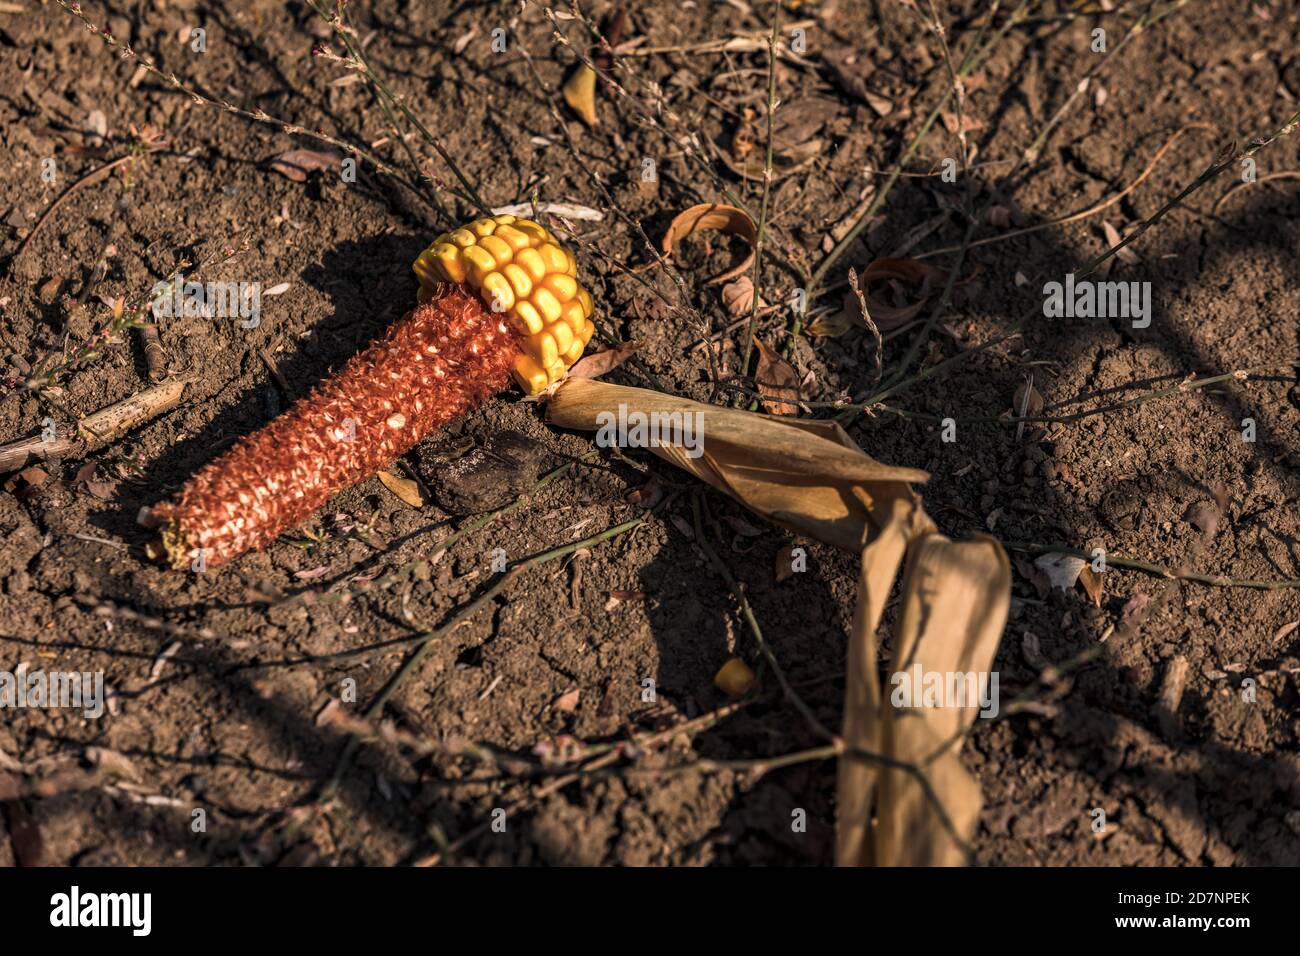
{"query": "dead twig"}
pixel 97 430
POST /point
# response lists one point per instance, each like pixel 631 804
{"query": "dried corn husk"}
pixel 811 478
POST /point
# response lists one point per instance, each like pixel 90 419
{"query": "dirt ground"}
pixel 220 685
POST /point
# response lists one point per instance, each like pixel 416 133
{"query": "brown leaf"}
pixel 568 702
pixel 1027 403
pixel 606 360
pixel 916 279
pixel 833 324
pixel 1092 584
pixel 28 483
pixel 647 496
pixel 969 123
pixel 102 490
pixel 580 93
pixel 738 297
pixel 1113 239
pixel 297 163
pixel 404 488
pixel 1062 570
pixel 776 377
pixel 714 216
pixel 49 290
pixel 1034 575
pixel 783 565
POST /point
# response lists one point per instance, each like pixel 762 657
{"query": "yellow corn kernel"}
pixel 482 227
pixel 532 262
pixel 426 269
pixel 563 287
pixel 479 263
pixel 554 257
pixel 588 330
pixel 734 678
pixel 546 303
pixel 556 371
pixel 532 378
pixel 512 237
pixel 529 320
pixel 518 279
pixel 574 353
pixel 573 263
pixel 497 293
pixel 541 346
pixel 563 336
pixel 499 248
pixel 447 257
pixel 463 237
pixel 533 230
pixel 573 316
pixel 504 219
pixel 585 298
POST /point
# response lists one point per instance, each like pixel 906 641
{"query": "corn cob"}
pixel 497 297
pixel 520 270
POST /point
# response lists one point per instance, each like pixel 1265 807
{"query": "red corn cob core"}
pixel 441 360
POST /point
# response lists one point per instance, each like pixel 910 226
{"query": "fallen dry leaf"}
pixel 908 277
pixel 606 360
pixel 1092 584
pixel 776 377
pixel 1062 570
pixel 580 93
pixel 1113 239
pixel 404 488
pixel 567 703
pixel 738 297
pixel 783 564
pixel 1027 403
pixel 714 216
pixel 297 163
pixel 968 123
